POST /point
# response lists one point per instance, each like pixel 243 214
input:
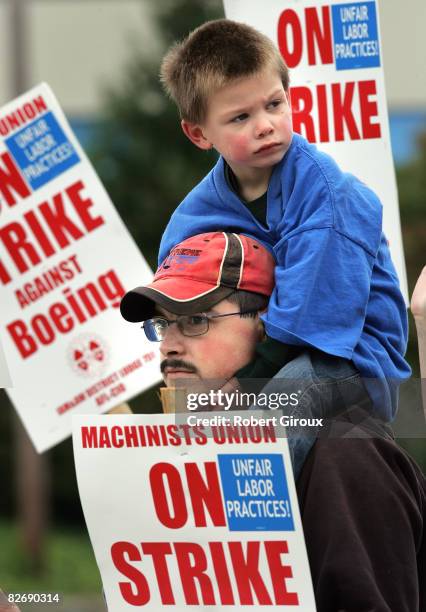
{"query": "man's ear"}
pixel 260 330
pixel 195 133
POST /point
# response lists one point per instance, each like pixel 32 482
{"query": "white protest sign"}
pixel 337 89
pixel 192 515
pixel 4 371
pixel 66 259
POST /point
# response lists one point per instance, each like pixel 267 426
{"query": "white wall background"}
pixel 78 45
pixel 403 26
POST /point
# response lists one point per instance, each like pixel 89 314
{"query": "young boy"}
pixel 337 292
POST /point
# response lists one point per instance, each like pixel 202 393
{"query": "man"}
pixel 362 499
pixel 202 276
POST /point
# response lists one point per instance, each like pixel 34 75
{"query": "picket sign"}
pixel 337 89
pixel 5 380
pixel 66 259
pixel 182 514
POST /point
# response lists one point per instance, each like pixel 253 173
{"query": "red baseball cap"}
pixel 200 272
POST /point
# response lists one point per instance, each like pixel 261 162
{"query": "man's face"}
pixel 227 346
pixel 249 122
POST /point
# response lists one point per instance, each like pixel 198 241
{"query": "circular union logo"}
pixel 88 355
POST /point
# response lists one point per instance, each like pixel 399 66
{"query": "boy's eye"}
pixel 239 118
pixel 275 103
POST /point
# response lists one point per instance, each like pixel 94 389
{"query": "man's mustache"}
pixel 177 364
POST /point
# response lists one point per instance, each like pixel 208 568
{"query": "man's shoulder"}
pixel 362 503
pixel 363 456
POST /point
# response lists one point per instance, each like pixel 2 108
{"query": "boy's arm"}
pixel 199 212
pixel 321 292
pixel 334 296
pixel 210 207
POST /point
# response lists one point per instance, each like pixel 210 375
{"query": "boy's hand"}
pixel 418 300
pixel 418 308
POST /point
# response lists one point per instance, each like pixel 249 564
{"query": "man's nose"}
pixel 173 342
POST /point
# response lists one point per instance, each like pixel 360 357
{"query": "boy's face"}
pixel 248 122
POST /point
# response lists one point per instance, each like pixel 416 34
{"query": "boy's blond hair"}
pixel 213 55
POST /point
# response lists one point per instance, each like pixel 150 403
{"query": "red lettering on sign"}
pixel 116 439
pixel 11 181
pixel 88 437
pixel 59 223
pixel 88 301
pixel 104 439
pixel 319 36
pixel 324 134
pixel 25 344
pixel 16 242
pixel 137 592
pixel 368 109
pixel 280 572
pixel 22 115
pixel 222 574
pixel 158 473
pixel 343 115
pixel 82 206
pixel 340 98
pixel 42 329
pixel 49 280
pixel 247 573
pixel 38 231
pixel 302 103
pixel 60 317
pixel 64 228
pixel 5 277
pixel 192 564
pixel 205 493
pixel 158 551
pixel 40 104
pixel 289 20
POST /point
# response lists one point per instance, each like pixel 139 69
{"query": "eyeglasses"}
pixel 189 325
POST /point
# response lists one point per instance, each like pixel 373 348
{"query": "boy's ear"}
pixel 195 134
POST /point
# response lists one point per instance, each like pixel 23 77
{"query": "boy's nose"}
pixel 263 128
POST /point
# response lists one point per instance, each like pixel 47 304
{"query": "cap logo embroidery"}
pixel 180 259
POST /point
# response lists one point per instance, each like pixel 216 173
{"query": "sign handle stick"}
pixel 120 409
pixel 173 399
pixel 418 308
